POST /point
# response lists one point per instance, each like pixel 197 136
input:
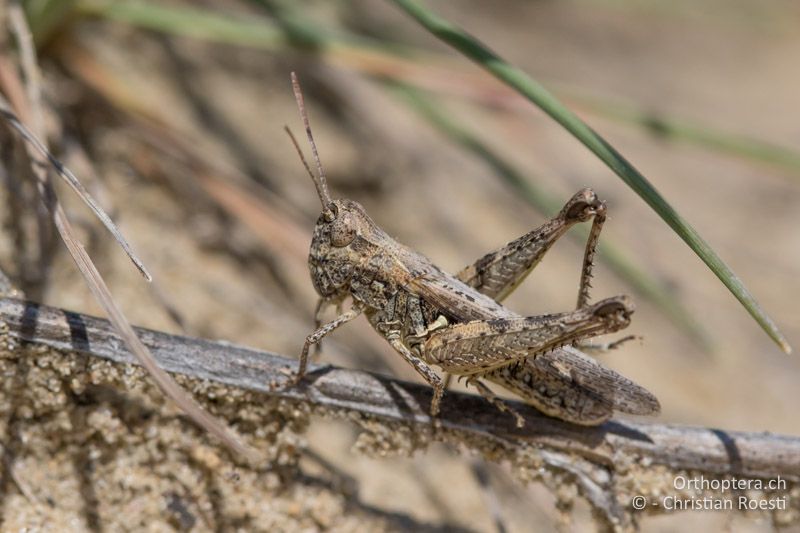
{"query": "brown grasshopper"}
pixel 458 322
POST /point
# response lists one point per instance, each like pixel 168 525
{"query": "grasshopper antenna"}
pixel 305 163
pixel 319 180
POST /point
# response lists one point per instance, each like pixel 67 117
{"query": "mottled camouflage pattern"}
pixel 458 322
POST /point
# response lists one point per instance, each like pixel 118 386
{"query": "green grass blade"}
pixel 673 129
pixel 239 30
pixel 45 17
pixel 307 34
pixel 545 203
pixel 189 22
pixel 261 33
pixel 293 29
pixel 537 94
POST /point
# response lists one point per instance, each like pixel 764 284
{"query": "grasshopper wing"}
pixel 624 394
pixel 567 384
pixel 456 299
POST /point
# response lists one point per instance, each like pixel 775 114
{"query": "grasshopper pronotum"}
pixel 458 322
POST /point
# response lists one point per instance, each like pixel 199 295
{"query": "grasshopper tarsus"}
pixel 492 398
pixel 459 323
pixel 607 346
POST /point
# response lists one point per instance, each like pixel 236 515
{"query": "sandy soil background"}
pixel 229 254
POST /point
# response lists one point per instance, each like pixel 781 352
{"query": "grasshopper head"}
pixel 341 242
pixel 342 234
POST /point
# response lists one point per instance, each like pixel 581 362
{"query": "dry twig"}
pixel 608 463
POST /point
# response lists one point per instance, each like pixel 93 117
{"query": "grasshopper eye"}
pixel 343 230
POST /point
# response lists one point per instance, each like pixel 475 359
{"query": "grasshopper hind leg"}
pixel 585 284
pixel 492 398
pixel 499 272
pixel 588 255
pixel 480 346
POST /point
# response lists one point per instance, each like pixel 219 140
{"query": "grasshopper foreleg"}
pixel 320 332
pixel 322 304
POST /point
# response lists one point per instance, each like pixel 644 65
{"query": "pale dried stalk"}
pixel 40 156
pixel 34 107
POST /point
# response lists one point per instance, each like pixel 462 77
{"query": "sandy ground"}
pixel 735 71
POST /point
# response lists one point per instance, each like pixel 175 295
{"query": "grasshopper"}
pixel 458 323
